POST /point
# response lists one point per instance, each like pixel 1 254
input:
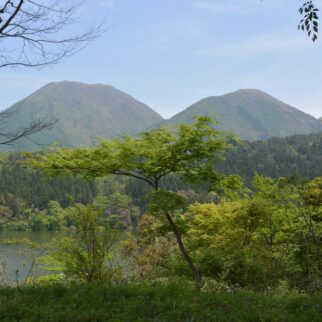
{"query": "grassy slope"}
pixel 252 114
pixel 84 111
pixel 153 303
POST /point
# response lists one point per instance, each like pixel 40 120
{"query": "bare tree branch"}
pixel 37 33
pixel 11 137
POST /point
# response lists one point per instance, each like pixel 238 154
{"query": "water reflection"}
pixel 18 259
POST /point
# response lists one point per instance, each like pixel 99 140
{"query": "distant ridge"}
pixel 252 114
pixel 85 112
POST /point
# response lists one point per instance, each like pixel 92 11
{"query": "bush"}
pixel 87 255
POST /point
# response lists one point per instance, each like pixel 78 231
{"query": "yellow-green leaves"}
pixel 165 202
pixel 190 152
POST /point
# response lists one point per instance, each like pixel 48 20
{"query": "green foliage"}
pixel 296 157
pixel 159 302
pixel 189 153
pixel 231 187
pixel 54 218
pixel 25 196
pixel 19 225
pixel 265 238
pixel 165 202
pixel 118 210
pixel 264 241
pixel 29 201
pixel 5 215
pixel 87 255
pixel 150 156
pixel 35 190
pixel 37 222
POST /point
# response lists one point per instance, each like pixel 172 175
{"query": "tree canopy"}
pixel 189 153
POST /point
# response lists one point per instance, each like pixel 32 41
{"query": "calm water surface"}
pixel 17 257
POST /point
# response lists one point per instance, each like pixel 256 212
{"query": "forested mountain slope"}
pixel 84 113
pixel 299 155
pixel 252 114
pixel 23 187
pixel 87 112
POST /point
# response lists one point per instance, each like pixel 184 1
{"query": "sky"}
pixel 171 53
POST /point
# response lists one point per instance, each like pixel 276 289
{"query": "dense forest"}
pixel 26 195
pixel 297 156
pixel 24 190
pixel 156 208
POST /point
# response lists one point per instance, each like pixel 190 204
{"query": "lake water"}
pixel 16 259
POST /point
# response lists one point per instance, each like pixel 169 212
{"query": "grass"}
pixel 173 302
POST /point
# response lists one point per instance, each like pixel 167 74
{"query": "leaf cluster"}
pixel 310 21
pixel 190 153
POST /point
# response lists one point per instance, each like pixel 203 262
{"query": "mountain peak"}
pixel 248 91
pixel 252 114
pixel 68 84
pixel 251 92
pixel 243 93
pixel 85 112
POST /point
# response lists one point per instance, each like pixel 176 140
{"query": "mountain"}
pixel 252 114
pixel 84 112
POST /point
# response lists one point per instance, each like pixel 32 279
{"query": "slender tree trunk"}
pixel 195 271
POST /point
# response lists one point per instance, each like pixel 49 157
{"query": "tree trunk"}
pixel 195 271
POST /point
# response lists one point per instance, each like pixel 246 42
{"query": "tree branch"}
pixel 34 35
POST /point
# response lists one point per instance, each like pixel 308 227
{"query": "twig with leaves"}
pixel 309 23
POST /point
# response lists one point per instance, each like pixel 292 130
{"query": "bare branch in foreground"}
pixel 38 33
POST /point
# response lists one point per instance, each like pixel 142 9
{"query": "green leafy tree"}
pixel 309 227
pixel 55 216
pixel 269 239
pixel 118 210
pixel 188 153
pixel 85 256
pixel 296 224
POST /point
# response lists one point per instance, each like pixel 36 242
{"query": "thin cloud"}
pixel 173 34
pixel 219 6
pixel 238 6
pixel 215 7
pixel 265 44
pixel 107 3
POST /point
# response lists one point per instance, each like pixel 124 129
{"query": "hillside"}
pixel 297 156
pixel 84 112
pixel 252 114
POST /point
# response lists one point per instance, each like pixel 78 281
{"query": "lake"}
pixel 18 257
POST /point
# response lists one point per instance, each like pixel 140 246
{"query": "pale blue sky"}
pixel 171 53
